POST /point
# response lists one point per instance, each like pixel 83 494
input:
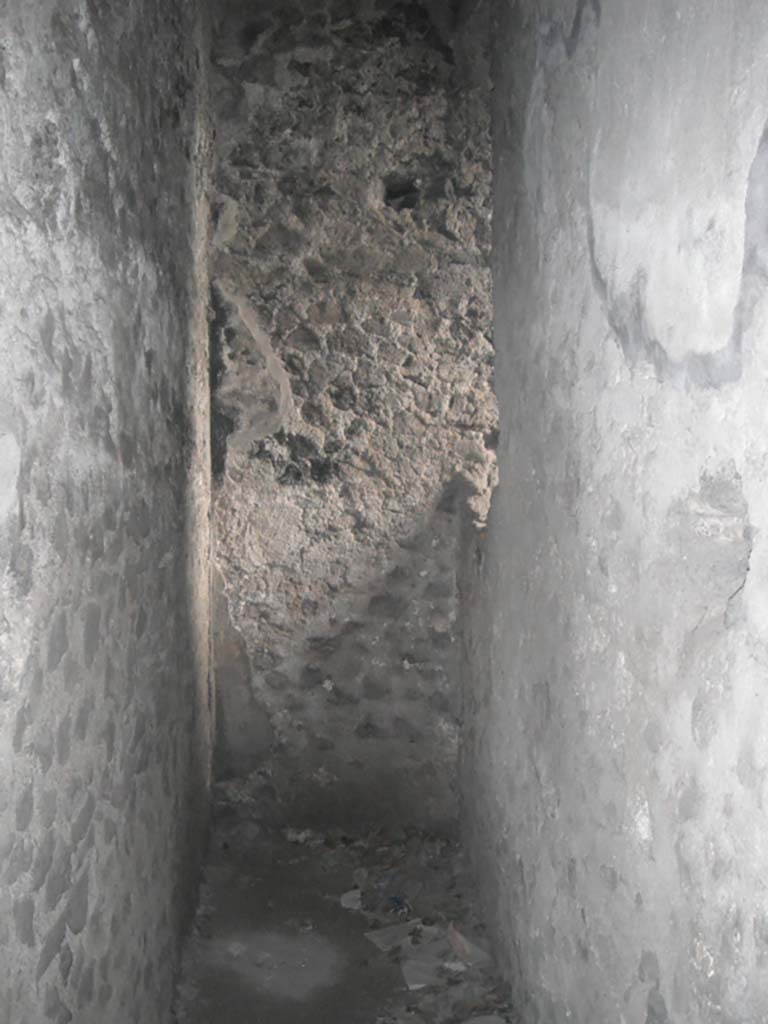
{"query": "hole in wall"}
pixel 401 192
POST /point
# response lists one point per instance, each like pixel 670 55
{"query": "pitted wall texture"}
pixel 104 734
pixel 617 756
pixel 355 422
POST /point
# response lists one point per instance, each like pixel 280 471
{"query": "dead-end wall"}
pixel 104 723
pixel 354 417
pixel 617 755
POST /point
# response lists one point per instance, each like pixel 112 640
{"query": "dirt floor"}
pixel 296 926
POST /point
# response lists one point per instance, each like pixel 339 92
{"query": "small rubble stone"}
pixel 83 820
pixel 77 905
pixel 25 808
pixel 51 946
pixel 43 860
pixel 59 876
pixel 58 641
pixel 352 900
pixel 24 918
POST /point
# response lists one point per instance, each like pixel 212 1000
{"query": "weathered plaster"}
pixel 104 723
pixel 617 745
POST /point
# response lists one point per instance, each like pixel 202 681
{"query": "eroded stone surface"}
pixel 353 213
pixel 103 504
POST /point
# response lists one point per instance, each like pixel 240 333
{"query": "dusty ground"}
pixel 281 932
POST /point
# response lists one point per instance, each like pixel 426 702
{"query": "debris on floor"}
pixel 352 900
pixel 299 926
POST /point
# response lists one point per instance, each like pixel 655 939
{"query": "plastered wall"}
pixel 104 704
pixel 616 755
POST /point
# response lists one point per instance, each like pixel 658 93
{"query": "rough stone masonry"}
pixel 354 420
pixel 104 723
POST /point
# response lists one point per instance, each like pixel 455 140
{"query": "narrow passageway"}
pixel 383 512
pixel 354 428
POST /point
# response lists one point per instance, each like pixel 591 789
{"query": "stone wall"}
pixel 104 723
pixel 354 418
pixel 617 760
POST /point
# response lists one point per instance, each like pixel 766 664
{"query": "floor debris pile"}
pixel 298 926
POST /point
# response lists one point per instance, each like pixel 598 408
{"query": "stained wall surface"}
pixel 354 417
pixel 104 724
pixel 617 753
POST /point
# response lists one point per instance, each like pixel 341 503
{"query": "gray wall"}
pixel 617 756
pixel 104 726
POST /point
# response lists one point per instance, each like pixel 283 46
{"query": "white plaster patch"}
pixel 10 462
pixel 669 185
pixel 641 821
